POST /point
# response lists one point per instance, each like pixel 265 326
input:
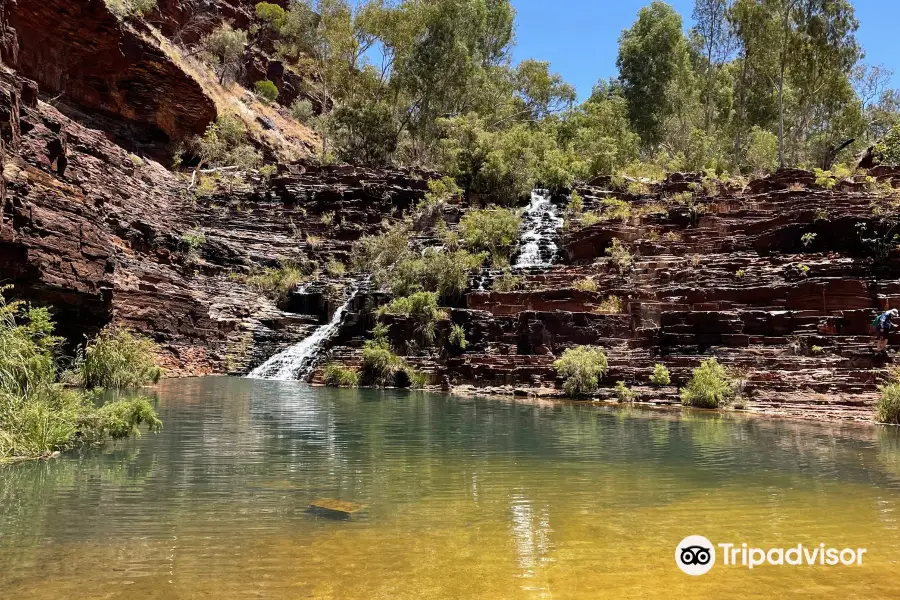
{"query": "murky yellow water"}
pixel 464 499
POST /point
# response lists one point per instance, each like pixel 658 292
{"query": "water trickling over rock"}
pixel 540 232
pixel 298 361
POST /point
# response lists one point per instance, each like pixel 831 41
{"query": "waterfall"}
pixel 540 224
pixel 297 361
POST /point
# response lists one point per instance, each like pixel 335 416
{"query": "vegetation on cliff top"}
pixel 38 414
pixel 753 84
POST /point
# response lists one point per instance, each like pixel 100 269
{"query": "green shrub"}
pixel 380 366
pixel 224 49
pixel 615 210
pixel 761 154
pixel 457 338
pixel 377 254
pixel 586 284
pixel 340 376
pixel 711 386
pixel 440 191
pixel 623 392
pixel 442 272
pixel 660 375
pixel 302 110
pixel 118 359
pixel 270 14
pixel 887 408
pixel 422 308
pixel 130 8
pixel 275 282
pixel 491 230
pixel 224 143
pixel 807 239
pixel 266 90
pixel 611 305
pixel 506 282
pixel 581 369
pixel 335 268
pixel 619 257
pixel 37 414
pixel 888 148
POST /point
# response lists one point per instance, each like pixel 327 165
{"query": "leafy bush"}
pixel 37 414
pixel 457 338
pixel 660 375
pixel 586 284
pixel 224 144
pixel 761 154
pixel 610 305
pixel 224 48
pixel 121 418
pixel 335 268
pixel 623 392
pixel 506 282
pixel 380 366
pixel 888 148
pixel 619 257
pixel 275 282
pixel 440 191
pixel 711 386
pixel 270 14
pixel 267 90
pixel 422 307
pixel 302 110
pixel 377 254
pixel 442 272
pixel 807 239
pixel 887 407
pixel 615 209
pixel 123 9
pixel 581 369
pixel 492 230
pixel 118 359
pixel 340 376
pixel 740 273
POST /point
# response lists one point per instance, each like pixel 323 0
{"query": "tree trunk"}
pixel 781 117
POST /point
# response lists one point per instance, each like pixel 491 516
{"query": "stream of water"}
pixel 540 230
pixel 297 361
pixel 463 498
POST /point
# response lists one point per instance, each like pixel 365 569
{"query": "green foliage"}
pixel 491 230
pixel 506 282
pixel 335 268
pixel 224 144
pixel 422 308
pixel 620 257
pixel 586 284
pixel 761 154
pixel 740 273
pixel 380 366
pixel 122 418
pixel 581 369
pixel 37 414
pixel 192 242
pixel 457 338
pixel 224 48
pixel 807 239
pixel 275 282
pixel 118 359
pixel 888 148
pixel 611 305
pixel 124 9
pixel 267 90
pixel 339 376
pixel 271 15
pixel 440 191
pixel 660 376
pixel 446 273
pixel 302 110
pixel 623 392
pixel 711 386
pixel 887 407
pixel 378 254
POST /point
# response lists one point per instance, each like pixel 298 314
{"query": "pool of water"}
pixel 464 498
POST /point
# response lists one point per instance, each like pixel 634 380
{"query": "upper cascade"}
pixel 540 232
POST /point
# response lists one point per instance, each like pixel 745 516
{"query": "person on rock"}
pixel 883 326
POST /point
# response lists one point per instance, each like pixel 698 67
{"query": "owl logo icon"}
pixel 695 555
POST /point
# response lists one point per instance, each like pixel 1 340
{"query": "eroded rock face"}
pixel 80 52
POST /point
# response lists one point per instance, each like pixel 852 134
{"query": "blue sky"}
pixel 580 37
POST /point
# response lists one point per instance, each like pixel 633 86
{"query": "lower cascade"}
pixel 298 361
pixel 541 225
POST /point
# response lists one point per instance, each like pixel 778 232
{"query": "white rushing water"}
pixel 297 361
pixel 541 224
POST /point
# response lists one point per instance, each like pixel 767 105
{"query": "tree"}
pixel 226 47
pixel 716 39
pixel 653 56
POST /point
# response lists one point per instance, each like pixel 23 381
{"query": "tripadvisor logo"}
pixel 696 555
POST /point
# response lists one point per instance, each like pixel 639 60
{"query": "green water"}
pixel 464 498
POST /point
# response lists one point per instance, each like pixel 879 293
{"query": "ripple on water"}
pixel 463 499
